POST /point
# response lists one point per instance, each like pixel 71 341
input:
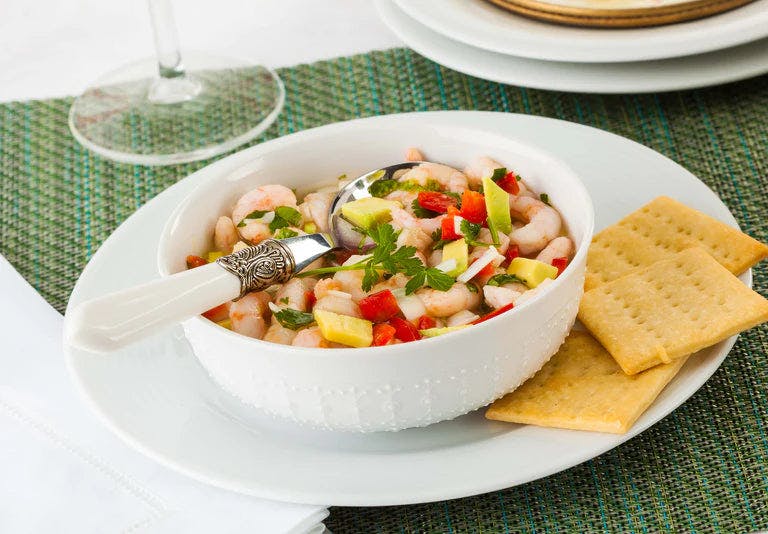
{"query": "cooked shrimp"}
pixel 435 258
pixel 559 247
pixel 338 304
pixel 277 333
pixel 461 318
pixel 263 198
pixel 316 208
pixel 500 296
pixel 448 177
pixel 293 294
pixel 325 285
pixel 352 281
pixel 414 237
pixel 414 154
pixel 479 168
pixel 255 231
pixel 543 224
pixel 310 337
pixel 225 234
pixel 401 219
pixel 405 198
pixel 395 282
pixel 446 303
pixel 249 314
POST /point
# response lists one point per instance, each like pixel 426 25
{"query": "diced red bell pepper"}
pixel 448 228
pixel 435 201
pixel 512 252
pixel 382 334
pixel 195 261
pixel 494 313
pixel 311 299
pixel 509 183
pixel 424 322
pixel 404 330
pixel 379 306
pixel 561 264
pixel 219 313
pixel 485 272
pixel 473 207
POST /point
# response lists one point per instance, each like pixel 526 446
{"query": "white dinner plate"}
pixel 159 400
pixel 714 68
pixel 483 25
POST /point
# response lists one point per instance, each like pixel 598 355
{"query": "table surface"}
pixel 50 48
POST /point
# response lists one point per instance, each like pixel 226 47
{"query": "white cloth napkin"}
pixel 62 472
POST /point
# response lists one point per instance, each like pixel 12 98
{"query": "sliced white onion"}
pixel 337 293
pixel 398 292
pixel 479 264
pixel 457 224
pixel 412 307
pixel 447 265
pixel 461 318
pixel 274 307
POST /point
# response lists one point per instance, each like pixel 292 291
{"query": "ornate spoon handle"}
pixel 115 320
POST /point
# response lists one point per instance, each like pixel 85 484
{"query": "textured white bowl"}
pixel 400 386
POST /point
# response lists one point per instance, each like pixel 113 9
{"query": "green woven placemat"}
pixel 704 468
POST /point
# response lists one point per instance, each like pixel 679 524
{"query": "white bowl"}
pixel 399 386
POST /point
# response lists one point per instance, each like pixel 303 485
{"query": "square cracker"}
pixel 659 229
pixel 670 309
pixel 583 388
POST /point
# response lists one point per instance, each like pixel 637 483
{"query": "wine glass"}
pixel 164 111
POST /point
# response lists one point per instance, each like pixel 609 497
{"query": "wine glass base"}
pixel 132 115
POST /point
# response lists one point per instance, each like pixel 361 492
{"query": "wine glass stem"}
pixel 166 39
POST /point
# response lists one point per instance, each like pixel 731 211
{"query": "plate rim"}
pixel 738 32
pixel 648 79
pixel 355 499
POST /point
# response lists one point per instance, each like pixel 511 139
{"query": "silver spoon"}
pixel 115 320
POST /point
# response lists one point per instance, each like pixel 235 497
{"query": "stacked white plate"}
pixel 477 38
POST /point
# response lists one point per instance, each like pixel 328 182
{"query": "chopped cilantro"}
pixel 386 258
pixel 283 233
pixel 498 174
pixel 294 319
pixel 421 212
pixel 501 279
pixel 285 216
pixel 256 214
pixel 545 199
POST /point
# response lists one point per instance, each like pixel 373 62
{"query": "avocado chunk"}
pixel 532 272
pixel 434 332
pixel 497 206
pixel 368 212
pixel 344 329
pixel 459 251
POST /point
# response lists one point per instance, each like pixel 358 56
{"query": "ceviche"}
pixel 441 250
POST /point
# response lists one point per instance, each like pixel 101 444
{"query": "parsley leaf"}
pixel 285 216
pixel 437 279
pixel 293 319
pixel 256 214
pixel 501 279
pixel 283 233
pixel 387 258
pixel 545 199
pixel 498 174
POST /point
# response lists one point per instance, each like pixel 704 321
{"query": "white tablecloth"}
pixel 54 48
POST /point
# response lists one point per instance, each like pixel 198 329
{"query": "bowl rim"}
pixel 383 351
